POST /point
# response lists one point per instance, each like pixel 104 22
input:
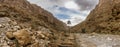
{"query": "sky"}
pixel 73 10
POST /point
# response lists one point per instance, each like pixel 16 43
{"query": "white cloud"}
pixel 86 4
pixel 71 5
pixel 77 9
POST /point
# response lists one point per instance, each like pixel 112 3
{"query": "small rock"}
pixel 0 26
pixel 109 38
pixel 10 35
pixel 40 35
pixel 23 37
pixel 44 35
pixel 35 45
pixel 16 27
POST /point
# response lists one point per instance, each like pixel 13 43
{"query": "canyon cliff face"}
pixel 27 25
pixel 30 15
pixel 105 18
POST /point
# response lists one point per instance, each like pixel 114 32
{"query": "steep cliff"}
pixel 30 15
pixel 105 18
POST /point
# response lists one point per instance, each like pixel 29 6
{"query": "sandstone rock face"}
pixel 105 18
pixel 29 15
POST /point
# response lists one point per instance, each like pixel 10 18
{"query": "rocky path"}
pixel 97 40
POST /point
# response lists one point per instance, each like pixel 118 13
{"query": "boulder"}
pixel 23 37
pixel 10 35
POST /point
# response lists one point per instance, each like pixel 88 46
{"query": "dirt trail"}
pixel 97 40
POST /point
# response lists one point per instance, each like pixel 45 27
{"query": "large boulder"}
pixel 23 37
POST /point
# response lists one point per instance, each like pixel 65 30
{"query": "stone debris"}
pixel 13 35
pixel 99 40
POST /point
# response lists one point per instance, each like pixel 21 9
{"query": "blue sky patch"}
pixel 63 9
pixel 62 16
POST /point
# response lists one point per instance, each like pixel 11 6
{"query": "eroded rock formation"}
pixel 27 25
pixel 105 18
pixel 29 15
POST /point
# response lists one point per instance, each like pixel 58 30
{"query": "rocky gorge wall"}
pixel 29 15
pixel 27 25
pixel 105 18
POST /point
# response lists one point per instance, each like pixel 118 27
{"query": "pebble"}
pixel 108 38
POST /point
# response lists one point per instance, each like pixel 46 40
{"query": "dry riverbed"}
pixel 97 40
